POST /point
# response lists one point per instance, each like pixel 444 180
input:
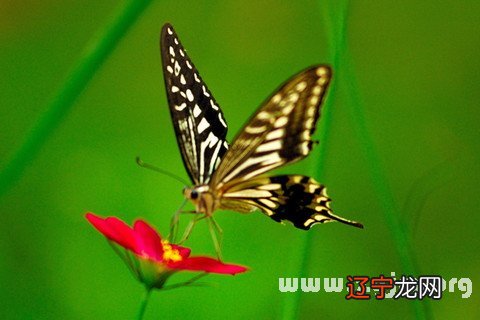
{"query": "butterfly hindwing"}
pixel 199 124
pixel 295 198
pixel 280 132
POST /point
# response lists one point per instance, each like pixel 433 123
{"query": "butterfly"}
pixel 231 177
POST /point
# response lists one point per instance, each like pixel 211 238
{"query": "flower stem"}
pixel 381 186
pixel 337 31
pixel 398 229
pixel 95 53
pixel 143 306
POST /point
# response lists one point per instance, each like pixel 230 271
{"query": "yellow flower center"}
pixel 170 254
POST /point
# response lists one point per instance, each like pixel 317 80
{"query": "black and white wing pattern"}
pixel 280 132
pixel 199 124
pixel 295 198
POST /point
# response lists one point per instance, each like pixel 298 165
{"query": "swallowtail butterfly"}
pixel 278 133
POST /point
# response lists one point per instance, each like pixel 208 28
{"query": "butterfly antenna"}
pixel 154 168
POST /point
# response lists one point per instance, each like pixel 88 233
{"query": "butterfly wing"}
pixel 298 199
pixel 199 124
pixel 280 132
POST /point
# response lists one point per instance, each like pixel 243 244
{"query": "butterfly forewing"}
pixel 199 124
pixel 280 132
pixel 295 198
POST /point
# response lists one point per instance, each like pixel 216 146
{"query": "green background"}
pixel 399 152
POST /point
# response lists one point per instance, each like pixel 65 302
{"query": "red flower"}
pixel 155 259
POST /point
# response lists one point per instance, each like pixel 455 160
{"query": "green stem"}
pixel 292 301
pixel 96 52
pixel 382 188
pixel 143 306
pixel 398 230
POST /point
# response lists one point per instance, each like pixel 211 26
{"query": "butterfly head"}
pixel 192 194
pixel 201 197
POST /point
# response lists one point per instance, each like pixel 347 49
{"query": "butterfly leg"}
pixel 219 230
pixel 189 228
pixel 217 235
pixel 174 223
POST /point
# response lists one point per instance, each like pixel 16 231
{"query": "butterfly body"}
pixel 235 177
pixel 204 200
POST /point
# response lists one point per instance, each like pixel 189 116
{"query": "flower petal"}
pixel 149 243
pixel 208 265
pixel 114 230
